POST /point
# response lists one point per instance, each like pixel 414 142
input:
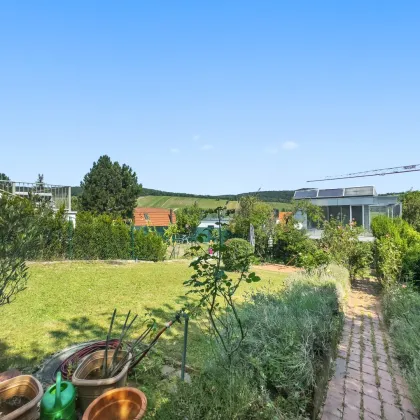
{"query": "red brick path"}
pixel 367 384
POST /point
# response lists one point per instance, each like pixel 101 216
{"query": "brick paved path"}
pixel 367 384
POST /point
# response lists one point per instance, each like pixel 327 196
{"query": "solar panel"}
pixel 305 194
pixel 360 191
pixel 334 192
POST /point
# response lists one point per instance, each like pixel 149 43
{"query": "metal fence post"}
pixel 132 242
pixel 70 240
pixel 184 352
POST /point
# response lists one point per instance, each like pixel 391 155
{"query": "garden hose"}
pixel 69 365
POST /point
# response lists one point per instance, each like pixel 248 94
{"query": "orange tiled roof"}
pixel 284 215
pixel 153 216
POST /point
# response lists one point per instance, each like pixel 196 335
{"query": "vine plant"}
pixel 216 291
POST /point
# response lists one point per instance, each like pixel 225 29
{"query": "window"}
pixel 146 216
pixel 357 215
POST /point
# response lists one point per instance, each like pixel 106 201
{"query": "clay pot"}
pixel 25 386
pixel 89 389
pixel 122 404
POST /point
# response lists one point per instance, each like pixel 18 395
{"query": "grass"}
pixel 70 302
pixel 401 306
pixel 168 202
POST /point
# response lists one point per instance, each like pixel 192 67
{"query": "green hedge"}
pixel 290 336
pixel 102 237
pixel 401 308
pixel 237 254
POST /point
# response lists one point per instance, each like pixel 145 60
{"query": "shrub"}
pixel 401 306
pixel 252 211
pixel 149 246
pixel 237 255
pixel 388 260
pixel 273 375
pixel 294 246
pixel 396 250
pixel 344 247
pixel 18 235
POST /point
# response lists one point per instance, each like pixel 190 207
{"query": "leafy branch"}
pixel 216 291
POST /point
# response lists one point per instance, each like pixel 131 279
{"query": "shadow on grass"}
pixel 78 329
pixel 24 363
pixel 81 327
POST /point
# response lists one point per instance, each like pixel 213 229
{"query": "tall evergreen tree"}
pixel 110 188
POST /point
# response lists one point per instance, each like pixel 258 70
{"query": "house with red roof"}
pixel 153 217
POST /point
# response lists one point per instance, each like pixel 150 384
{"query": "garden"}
pixel 214 335
pixel 51 304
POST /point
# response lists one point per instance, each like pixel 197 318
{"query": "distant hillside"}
pixel 171 202
pixel 275 196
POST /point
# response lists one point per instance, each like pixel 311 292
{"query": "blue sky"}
pixel 211 96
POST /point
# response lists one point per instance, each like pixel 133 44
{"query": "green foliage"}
pixel 401 308
pixel 275 371
pixel 149 246
pixel 216 293
pixel 411 208
pixel 397 229
pixel 253 211
pixel 293 246
pixel 4 177
pixel 217 394
pixel 312 211
pixel 237 255
pixel 343 245
pixel 110 188
pixel 269 196
pixel 52 231
pixel 17 236
pixel 388 259
pixel 188 218
pixel 102 237
pixel 396 250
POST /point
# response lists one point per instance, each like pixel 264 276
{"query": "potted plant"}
pixel 121 403
pixel 107 369
pixel 19 398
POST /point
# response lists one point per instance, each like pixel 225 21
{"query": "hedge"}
pixel 102 237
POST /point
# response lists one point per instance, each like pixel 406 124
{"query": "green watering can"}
pixel 59 401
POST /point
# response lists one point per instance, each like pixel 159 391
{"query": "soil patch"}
pixel 280 268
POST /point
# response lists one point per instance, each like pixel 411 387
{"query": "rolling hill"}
pixel 171 202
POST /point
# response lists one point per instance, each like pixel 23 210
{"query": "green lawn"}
pixel 67 302
pixel 168 202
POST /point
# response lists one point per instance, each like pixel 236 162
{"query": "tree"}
pixel 188 218
pixel 4 177
pixel 110 188
pixel 17 238
pixel 261 215
pixel 411 208
pixel 312 211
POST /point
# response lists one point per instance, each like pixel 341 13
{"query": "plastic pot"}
pixel 23 386
pixel 121 404
pixel 89 389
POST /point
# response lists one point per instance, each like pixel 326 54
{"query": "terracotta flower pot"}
pixel 23 386
pixel 89 389
pixel 121 404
